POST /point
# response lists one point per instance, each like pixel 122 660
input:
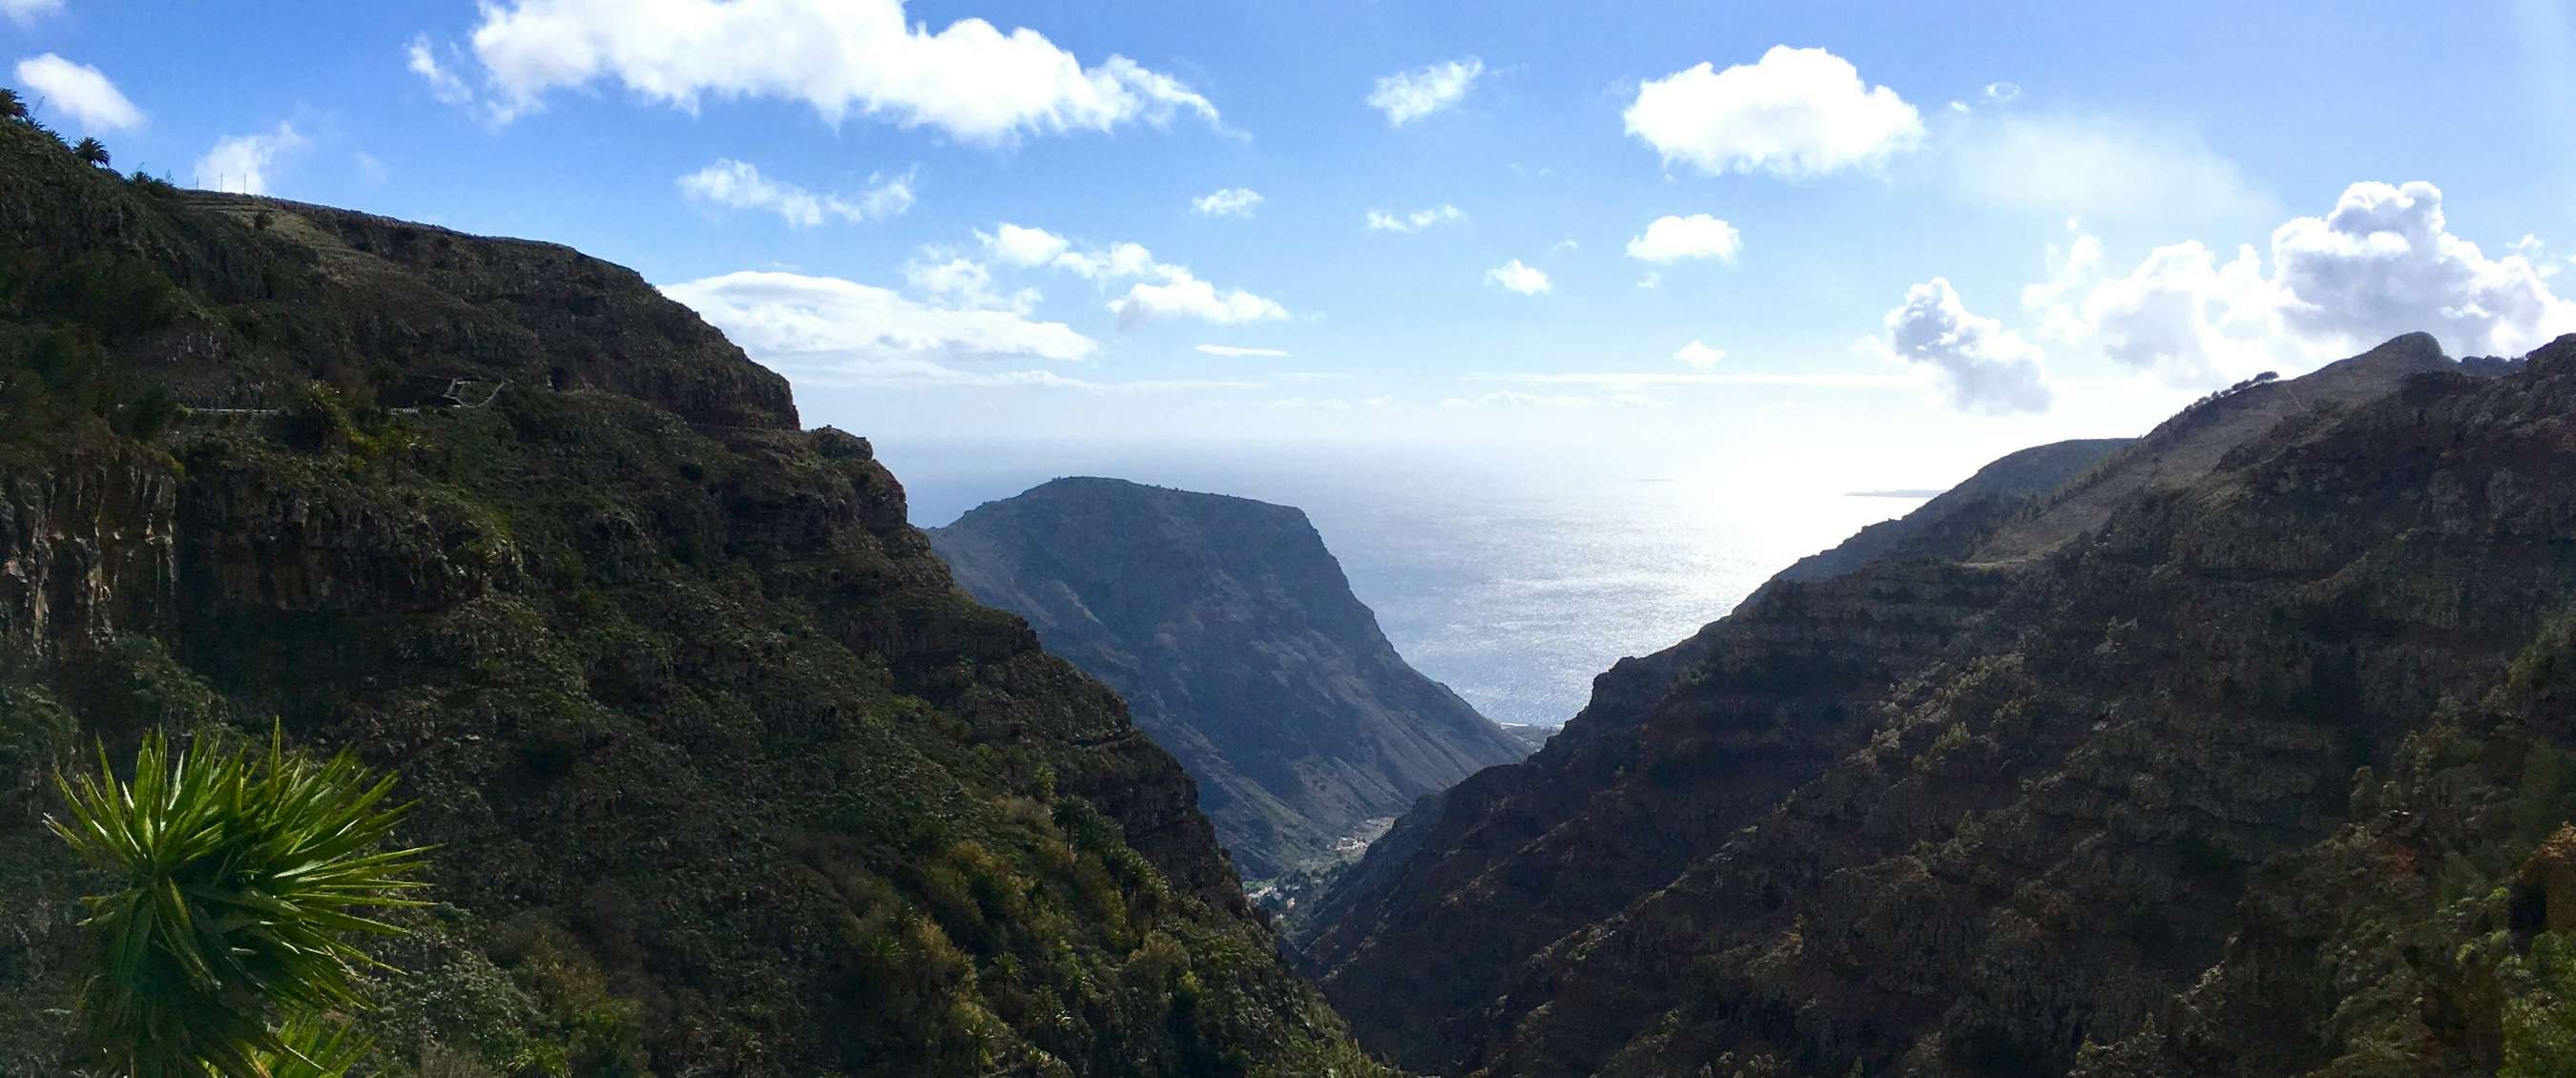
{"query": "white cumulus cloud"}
pixel 2381 264
pixel 1699 356
pixel 740 185
pixel 843 330
pixel 1516 277
pixel 1230 202
pixel 2384 262
pixel 1674 239
pixel 1161 290
pixel 241 163
pixel 1407 96
pixel 1795 112
pixel 1409 223
pixel 78 91
pixel 970 80
pixel 1018 245
pixel 1179 294
pixel 961 282
pixel 1114 262
pixel 1982 367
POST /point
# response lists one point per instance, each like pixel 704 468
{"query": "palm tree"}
pixel 12 106
pixel 91 152
pixel 242 874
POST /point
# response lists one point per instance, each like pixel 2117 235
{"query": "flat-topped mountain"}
pixel 2239 753
pixel 1234 638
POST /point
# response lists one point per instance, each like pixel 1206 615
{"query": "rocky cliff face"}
pixel 726 776
pixel 1236 642
pixel 1971 809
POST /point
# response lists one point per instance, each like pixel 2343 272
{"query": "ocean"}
pixel 1513 581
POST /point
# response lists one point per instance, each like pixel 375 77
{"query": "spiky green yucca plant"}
pixel 315 1049
pixel 244 876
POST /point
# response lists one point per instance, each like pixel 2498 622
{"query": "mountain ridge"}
pixel 1857 754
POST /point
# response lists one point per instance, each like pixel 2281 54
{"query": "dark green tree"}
pixel 242 876
pixel 12 106
pixel 91 152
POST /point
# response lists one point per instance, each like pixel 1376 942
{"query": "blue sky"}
pixel 1905 238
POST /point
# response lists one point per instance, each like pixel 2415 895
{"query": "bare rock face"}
pixel 724 773
pixel 86 553
pixel 2080 793
pixel 1236 641
pixel 2547 880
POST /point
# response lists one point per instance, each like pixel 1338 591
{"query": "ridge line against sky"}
pixel 1725 230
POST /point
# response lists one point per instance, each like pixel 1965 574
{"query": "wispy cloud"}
pixel 1407 96
pixel 26 12
pixel 1231 202
pixel 242 164
pixel 740 185
pixel 1699 356
pixel 1517 276
pixel 827 327
pixel 1409 223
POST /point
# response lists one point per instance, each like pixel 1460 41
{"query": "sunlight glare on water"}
pixel 1515 586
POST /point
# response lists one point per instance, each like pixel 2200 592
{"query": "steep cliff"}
pixel 726 776
pixel 1963 811
pixel 1237 644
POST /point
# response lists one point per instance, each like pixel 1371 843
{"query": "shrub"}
pixel 2540 1023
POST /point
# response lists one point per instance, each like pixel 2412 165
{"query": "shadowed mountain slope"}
pixel 724 774
pixel 1960 817
pixel 1236 642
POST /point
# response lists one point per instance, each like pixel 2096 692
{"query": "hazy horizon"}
pixel 1511 580
pixel 1901 241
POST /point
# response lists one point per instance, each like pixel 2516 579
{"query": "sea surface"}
pixel 1513 581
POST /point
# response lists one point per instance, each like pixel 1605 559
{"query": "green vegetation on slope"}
pixel 1949 814
pixel 723 774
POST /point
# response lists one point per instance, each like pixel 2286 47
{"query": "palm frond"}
pixel 244 876
pixel 311 1048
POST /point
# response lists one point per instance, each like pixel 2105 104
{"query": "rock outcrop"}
pixel 1234 638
